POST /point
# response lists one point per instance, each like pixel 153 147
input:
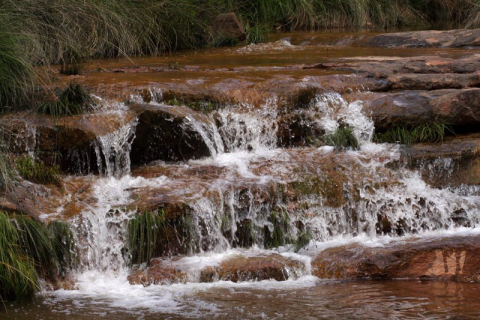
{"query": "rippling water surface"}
pixel 307 298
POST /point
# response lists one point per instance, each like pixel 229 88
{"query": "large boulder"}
pixel 168 133
pixel 455 258
pixel 458 108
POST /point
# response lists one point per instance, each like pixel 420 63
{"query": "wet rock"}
pixel 156 274
pixel 426 39
pixel 256 268
pixel 227 25
pixel 168 133
pixel 459 108
pixel 455 258
pixel 67 141
pixel 429 82
pixel 454 162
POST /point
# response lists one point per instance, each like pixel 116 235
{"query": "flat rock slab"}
pixel 411 108
pixel 425 39
pixel 449 258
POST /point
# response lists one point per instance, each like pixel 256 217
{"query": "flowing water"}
pixel 246 178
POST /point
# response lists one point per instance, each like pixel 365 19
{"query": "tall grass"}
pixel 29 248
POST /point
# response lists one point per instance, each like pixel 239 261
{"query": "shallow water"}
pixel 308 298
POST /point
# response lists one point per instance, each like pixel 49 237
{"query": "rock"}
pixel 227 25
pixel 426 39
pixel 458 108
pixel 453 258
pixel 67 141
pixel 257 268
pixel 168 133
pixel 454 162
pixel 429 82
pixel 156 274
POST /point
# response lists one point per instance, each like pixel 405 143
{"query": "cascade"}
pixel 246 206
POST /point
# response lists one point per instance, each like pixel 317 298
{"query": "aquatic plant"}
pixel 71 101
pixel 145 232
pixel 342 139
pixel 63 245
pixel 302 240
pixel 38 172
pixel 280 235
pixel 428 132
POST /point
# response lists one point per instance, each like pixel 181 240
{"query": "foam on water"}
pixel 240 139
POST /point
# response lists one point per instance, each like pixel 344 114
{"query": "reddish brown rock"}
pixel 156 274
pixel 433 82
pixel 454 162
pixel 66 141
pixel 244 268
pixel 455 258
pixel 459 108
pixel 227 25
pixel 426 39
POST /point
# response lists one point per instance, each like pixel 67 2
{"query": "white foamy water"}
pixel 251 179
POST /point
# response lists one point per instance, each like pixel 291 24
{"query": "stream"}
pixel 246 183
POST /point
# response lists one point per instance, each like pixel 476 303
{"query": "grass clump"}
pixel 279 236
pixel 38 172
pixel 342 139
pixel 72 100
pixel 145 231
pixel 18 277
pixel 303 239
pixel 7 168
pixel 434 133
pixel 28 249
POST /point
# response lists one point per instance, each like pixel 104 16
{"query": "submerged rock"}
pixel 449 258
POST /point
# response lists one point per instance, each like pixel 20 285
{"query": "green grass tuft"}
pixel 303 239
pixel 63 244
pixel 18 277
pixel 38 172
pixel 280 234
pixel 434 133
pixel 144 234
pixel 71 101
pixel 342 139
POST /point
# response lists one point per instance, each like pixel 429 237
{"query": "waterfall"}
pixel 113 151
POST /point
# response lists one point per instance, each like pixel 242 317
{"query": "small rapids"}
pixel 239 198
